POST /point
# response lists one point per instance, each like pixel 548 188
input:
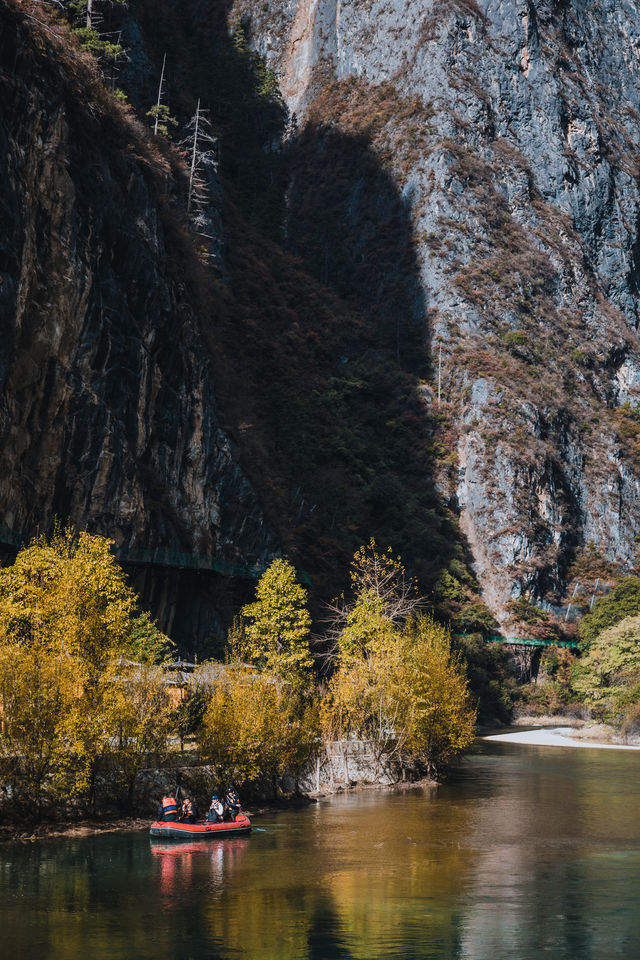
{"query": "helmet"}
pixel 215 796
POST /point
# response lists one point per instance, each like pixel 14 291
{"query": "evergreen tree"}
pixel 160 113
pixel 88 17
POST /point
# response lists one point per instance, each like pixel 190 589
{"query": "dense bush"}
pixel 607 677
pixel 491 679
pixel 255 727
pixel 554 692
pixel 622 602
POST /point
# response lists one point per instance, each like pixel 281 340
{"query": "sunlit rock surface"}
pixel 523 189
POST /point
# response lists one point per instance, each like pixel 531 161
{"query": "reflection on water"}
pixel 177 863
pixel 526 852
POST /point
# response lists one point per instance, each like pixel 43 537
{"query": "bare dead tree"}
pixel 159 101
pixel 202 147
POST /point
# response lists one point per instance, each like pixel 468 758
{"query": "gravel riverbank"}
pixel 562 737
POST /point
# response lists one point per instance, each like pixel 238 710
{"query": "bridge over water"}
pixel 526 652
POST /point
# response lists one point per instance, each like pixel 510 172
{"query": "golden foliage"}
pixel 256 726
pixel 401 688
pixel 277 626
pixel 68 621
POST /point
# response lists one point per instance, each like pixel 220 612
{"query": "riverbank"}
pixel 87 828
pixel 595 737
pixel 80 828
pixel 581 728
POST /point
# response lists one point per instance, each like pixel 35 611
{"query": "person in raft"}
pixel 231 804
pixel 216 810
pixel 168 809
pixel 188 812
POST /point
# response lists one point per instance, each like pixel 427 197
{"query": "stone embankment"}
pixel 342 765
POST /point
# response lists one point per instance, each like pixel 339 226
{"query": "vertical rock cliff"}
pixel 109 414
pixel 422 320
pixel 511 129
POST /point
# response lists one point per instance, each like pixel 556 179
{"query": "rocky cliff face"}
pixel 429 296
pixel 511 129
pixel 109 414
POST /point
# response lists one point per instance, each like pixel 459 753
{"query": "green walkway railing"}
pixel 526 641
pixel 532 642
pixel 10 539
pixel 169 558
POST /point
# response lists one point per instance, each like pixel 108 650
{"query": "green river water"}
pixel 526 852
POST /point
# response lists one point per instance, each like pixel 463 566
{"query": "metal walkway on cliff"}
pixel 172 559
pixel 526 641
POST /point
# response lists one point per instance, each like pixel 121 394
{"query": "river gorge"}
pixel 524 851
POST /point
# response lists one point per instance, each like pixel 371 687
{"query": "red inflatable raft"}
pixel 202 830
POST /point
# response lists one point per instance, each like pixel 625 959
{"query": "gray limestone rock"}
pixel 525 203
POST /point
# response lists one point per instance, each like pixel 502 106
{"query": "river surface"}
pixel 526 852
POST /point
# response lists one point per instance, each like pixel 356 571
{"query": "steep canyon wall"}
pixel 431 284
pixel 512 130
pixel 109 415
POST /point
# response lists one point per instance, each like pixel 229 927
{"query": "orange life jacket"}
pixel 169 808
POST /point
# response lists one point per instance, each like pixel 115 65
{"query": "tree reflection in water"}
pixel 524 853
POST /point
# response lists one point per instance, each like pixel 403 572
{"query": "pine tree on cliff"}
pixel 160 113
pixel 88 14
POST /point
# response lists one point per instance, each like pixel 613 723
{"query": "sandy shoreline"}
pixel 556 737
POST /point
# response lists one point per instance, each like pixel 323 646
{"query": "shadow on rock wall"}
pixel 327 336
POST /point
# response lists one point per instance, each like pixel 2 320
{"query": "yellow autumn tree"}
pixel 255 727
pixel 431 689
pixel 276 626
pixel 37 695
pixel 68 614
pixel 398 684
pixel 379 591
